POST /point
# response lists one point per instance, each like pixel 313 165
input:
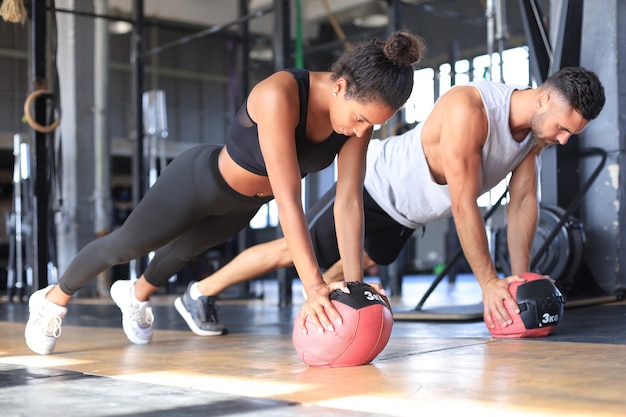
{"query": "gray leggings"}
pixel 187 211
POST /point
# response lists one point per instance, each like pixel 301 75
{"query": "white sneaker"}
pixel 44 322
pixel 137 317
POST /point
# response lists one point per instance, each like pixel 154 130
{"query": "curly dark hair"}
pixel 581 88
pixel 381 71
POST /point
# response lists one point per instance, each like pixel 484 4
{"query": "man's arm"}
pixel 523 212
pixel 461 161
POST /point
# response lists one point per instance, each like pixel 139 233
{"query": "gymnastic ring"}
pixel 29 118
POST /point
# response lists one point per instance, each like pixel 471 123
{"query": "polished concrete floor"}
pixel 431 366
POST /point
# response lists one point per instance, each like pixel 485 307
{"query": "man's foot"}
pixel 200 315
pixel 137 317
pixel 44 322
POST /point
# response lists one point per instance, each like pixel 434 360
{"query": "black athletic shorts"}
pixel 384 237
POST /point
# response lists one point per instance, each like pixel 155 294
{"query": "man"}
pixel 474 137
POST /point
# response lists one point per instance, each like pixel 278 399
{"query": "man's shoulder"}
pixel 465 99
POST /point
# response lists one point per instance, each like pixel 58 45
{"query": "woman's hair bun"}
pixel 404 49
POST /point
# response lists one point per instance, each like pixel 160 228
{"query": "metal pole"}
pixel 501 33
pixel 102 184
pixel 244 85
pixel 101 148
pixel 282 33
pixel 281 60
pixel 490 15
pixel 244 30
pixel 38 68
pixel 537 37
pixel 139 165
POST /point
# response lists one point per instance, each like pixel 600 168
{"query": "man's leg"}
pixel 198 306
pixel 335 272
pixel 252 262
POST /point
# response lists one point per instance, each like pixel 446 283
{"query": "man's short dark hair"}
pixel 581 88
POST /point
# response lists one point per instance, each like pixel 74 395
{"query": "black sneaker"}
pixel 200 315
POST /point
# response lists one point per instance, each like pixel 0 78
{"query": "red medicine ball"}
pixel 541 308
pixel 365 330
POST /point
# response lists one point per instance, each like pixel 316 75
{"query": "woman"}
pixel 292 123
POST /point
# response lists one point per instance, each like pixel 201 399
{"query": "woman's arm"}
pixel 348 208
pixel 275 106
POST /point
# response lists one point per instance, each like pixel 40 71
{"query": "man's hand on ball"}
pixel 496 297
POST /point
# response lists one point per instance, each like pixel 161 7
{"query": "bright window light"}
pixel 421 100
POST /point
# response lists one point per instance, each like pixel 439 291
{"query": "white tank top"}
pixel 399 180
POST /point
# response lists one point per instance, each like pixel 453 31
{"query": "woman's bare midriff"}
pixel 242 180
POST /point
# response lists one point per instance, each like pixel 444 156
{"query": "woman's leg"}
pixel 209 232
pixel 169 208
pixel 173 205
pixel 225 214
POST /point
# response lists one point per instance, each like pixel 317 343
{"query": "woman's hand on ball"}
pixel 318 309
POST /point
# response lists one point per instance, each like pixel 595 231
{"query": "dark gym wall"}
pixel 194 76
pixel 603 208
pixel 198 80
pixel 13 76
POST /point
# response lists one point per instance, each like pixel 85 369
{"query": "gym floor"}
pixel 433 365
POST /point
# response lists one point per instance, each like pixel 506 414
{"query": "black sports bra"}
pixel 243 145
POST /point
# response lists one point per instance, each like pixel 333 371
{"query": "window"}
pixel 267 216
